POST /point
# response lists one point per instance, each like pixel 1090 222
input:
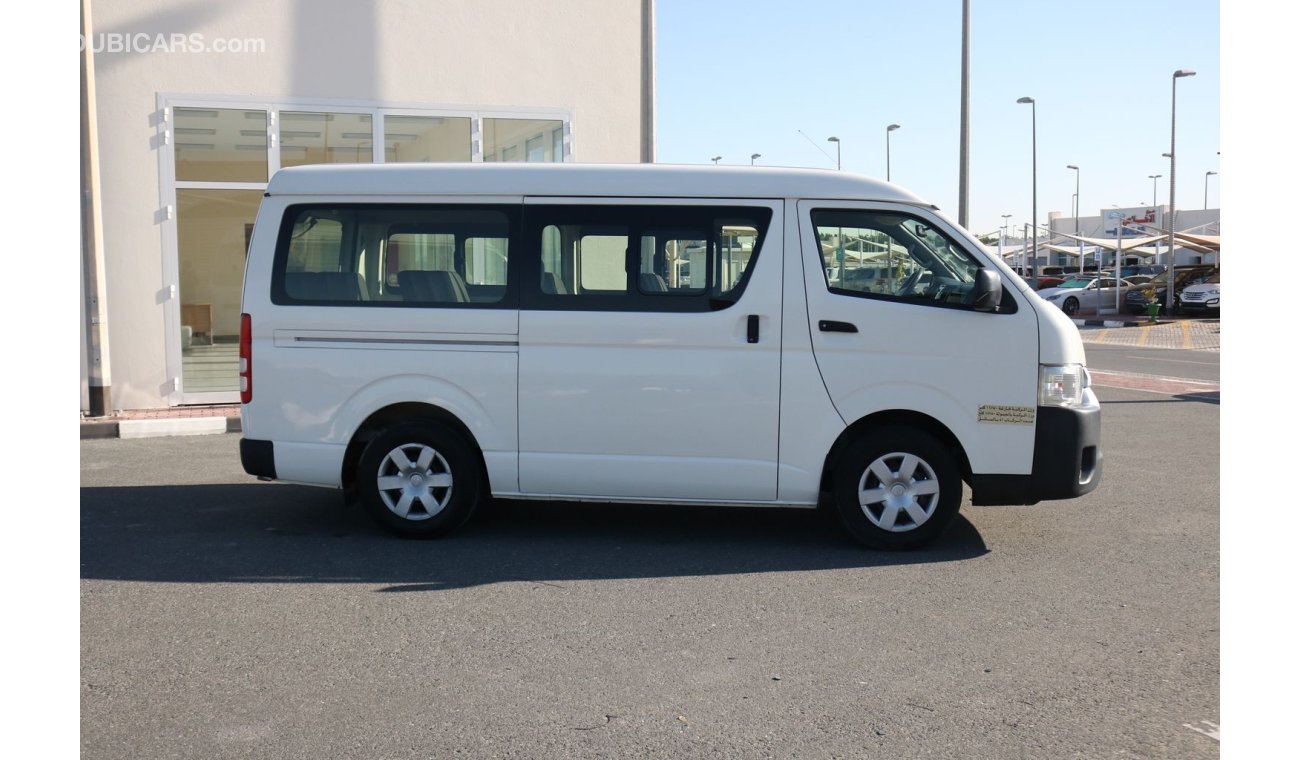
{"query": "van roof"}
pixel 573 179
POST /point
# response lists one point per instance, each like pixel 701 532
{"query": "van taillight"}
pixel 245 358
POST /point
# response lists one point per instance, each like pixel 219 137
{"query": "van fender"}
pixel 492 434
pixel 987 448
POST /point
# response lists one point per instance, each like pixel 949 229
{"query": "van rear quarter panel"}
pixel 320 371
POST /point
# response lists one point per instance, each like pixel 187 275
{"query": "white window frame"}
pixel 166 105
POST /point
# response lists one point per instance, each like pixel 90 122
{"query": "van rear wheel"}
pixel 419 479
pixel 897 488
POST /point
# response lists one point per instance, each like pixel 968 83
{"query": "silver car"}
pixel 1087 293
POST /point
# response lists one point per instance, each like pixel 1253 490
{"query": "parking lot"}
pixel 222 617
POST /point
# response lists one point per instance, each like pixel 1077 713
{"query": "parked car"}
pixel 1203 297
pixel 1084 293
pixel 1136 300
pixel 1043 282
pixel 1132 269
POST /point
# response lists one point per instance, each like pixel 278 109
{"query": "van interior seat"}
pixel 552 284
pixel 432 286
pixel 649 282
pixel 326 286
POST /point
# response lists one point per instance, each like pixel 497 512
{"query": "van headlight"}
pixel 1062 385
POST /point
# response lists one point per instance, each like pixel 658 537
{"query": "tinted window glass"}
pixel 393 255
pixel 653 258
pixel 892 256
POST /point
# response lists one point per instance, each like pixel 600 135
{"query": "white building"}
pixel 196 105
pixel 1135 222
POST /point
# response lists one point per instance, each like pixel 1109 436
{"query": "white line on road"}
pixel 1179 361
pixel 1212 731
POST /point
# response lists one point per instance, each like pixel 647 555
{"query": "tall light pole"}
pixel 1153 178
pixel 1002 240
pixel 962 172
pixel 888 129
pixel 1076 213
pixel 753 156
pixel 715 160
pixel 1206 205
pixel 835 140
pixel 1173 167
pixel 1033 106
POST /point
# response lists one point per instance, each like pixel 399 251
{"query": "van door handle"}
pixel 830 325
pixel 752 335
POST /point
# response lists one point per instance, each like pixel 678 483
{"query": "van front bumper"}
pixel 1067 459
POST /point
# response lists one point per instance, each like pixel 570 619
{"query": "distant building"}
pixel 198 104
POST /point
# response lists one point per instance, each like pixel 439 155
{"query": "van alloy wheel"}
pixel 414 481
pixel 897 487
pixel 898 492
pixel 420 479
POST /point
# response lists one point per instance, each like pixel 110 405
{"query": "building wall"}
pixel 580 56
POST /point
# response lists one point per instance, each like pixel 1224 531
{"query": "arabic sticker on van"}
pixel 1006 415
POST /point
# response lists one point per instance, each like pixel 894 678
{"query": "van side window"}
pixel 892 256
pixel 644 258
pixel 409 255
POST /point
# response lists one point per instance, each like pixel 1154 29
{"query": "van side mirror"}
pixel 988 290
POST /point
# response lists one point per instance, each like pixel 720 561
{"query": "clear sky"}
pixel 736 78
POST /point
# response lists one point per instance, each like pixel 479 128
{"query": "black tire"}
pixel 1070 307
pixel 431 509
pixel 888 449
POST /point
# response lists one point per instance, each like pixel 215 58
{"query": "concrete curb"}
pixel 155 428
pixel 1114 323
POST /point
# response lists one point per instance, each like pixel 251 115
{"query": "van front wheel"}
pixel 897 488
pixel 419 479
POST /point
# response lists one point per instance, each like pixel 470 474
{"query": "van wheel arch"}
pixel 889 418
pixel 396 414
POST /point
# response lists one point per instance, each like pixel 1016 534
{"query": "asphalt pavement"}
pixel 222 617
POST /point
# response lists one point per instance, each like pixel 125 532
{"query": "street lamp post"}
pixel 963 170
pixel 1076 214
pixel 1173 166
pixel 1002 240
pixel 1153 178
pixel 753 156
pixel 835 140
pixel 715 160
pixel 1034 133
pixel 1206 205
pixel 888 129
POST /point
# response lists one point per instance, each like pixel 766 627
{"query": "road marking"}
pixel 1212 731
pixel 1143 334
pixel 1187 334
pixel 1152 383
pixel 1178 361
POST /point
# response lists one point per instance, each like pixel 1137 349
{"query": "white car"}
pixel 1089 293
pixel 1201 297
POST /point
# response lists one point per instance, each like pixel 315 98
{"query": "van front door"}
pixel 891 312
pixel 649 350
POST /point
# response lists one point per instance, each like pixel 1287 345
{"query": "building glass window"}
pixel 426 138
pixel 326 138
pixel 513 139
pixel 220 145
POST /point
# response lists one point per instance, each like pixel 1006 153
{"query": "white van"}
pixel 428 335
